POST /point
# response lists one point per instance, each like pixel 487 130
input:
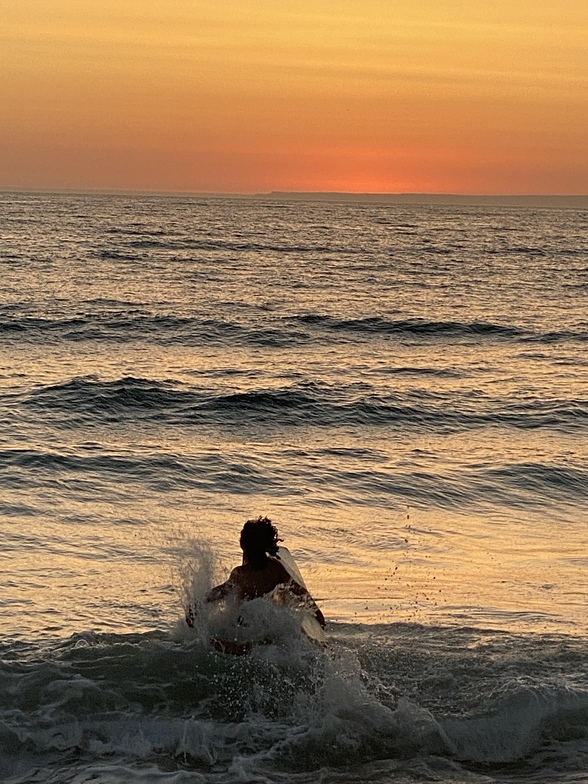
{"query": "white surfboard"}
pixel 308 622
pixel 290 565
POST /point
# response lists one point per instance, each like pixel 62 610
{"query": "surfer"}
pixel 261 572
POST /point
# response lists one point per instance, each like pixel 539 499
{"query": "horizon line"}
pixel 310 195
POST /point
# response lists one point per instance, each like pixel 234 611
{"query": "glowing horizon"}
pixel 322 96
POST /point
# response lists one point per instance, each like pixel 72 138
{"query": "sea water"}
pixel 401 388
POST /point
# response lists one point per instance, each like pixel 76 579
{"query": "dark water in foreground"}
pixel 401 388
pixel 385 703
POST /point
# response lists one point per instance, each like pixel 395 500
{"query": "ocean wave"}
pixel 137 229
pixel 110 322
pixel 414 326
pixel 417 327
pixel 439 372
pixel 398 702
pixel 84 471
pixel 512 486
pixel 31 325
pixel 89 402
pixel 319 405
pixel 518 720
pixel 116 254
pixel 537 481
pixel 161 329
pixel 174 403
pixel 215 244
pixel 558 336
pixel 108 399
pixel 351 478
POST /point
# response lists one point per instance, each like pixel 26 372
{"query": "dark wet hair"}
pixel 259 538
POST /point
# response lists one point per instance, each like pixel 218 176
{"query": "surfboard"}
pixel 287 559
pixel 303 610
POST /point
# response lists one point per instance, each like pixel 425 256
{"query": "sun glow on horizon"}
pixel 349 96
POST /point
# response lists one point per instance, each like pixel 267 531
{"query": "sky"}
pixel 246 96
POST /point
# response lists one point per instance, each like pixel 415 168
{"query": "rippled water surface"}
pixel 401 388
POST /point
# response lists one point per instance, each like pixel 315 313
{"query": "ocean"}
pixel 402 388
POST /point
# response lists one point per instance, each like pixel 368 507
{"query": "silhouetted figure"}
pixel 259 574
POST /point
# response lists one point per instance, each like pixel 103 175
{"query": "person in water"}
pixel 261 571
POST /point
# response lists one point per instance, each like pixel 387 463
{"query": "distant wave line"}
pixel 160 328
pixel 89 399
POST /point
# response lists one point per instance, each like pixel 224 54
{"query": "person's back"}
pixel 252 583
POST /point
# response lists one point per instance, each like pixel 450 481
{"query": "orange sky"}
pixel 470 96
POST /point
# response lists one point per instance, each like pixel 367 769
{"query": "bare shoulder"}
pixel 238 575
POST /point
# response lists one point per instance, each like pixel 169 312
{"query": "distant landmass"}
pixel 433 198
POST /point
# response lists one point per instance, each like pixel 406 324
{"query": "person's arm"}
pixel 224 589
pixel 220 591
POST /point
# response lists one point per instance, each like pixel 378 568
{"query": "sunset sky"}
pixel 450 96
